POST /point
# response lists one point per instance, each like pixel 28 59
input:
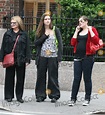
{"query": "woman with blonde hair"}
pixel 21 57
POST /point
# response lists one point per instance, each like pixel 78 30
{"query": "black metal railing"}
pixel 67 30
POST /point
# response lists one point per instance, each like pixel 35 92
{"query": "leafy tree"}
pixel 71 10
pixel 75 8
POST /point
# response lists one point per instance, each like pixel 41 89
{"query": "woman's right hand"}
pixel 77 29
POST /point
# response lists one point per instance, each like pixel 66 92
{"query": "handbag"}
pixel 94 47
pixel 9 58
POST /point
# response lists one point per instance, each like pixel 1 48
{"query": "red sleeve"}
pixel 95 38
pixel 73 41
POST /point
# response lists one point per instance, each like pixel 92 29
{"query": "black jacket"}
pixel 23 54
pixel 40 40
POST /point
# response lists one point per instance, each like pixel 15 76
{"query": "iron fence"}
pixel 67 29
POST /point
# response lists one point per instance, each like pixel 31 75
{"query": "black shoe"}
pixel 20 100
pixel 53 100
pixel 9 100
pixel 40 99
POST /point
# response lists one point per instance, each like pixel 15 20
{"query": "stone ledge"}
pixel 65 76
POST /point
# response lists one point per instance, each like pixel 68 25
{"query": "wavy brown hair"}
pixel 41 28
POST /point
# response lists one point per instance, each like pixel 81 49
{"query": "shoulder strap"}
pixel 15 43
pixel 53 28
pixel 56 41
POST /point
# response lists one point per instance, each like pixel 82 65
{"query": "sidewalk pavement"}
pixel 31 107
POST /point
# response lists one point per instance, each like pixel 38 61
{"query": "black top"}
pixel 15 51
pixel 81 46
pixel 15 36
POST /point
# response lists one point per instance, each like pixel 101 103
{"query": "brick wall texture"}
pixel 6 8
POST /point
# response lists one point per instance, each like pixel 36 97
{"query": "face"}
pixel 14 24
pixel 47 20
pixel 82 23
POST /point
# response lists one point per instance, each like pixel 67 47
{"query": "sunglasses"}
pixel 13 23
pixel 81 21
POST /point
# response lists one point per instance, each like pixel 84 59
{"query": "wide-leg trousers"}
pixel 10 81
pixel 50 65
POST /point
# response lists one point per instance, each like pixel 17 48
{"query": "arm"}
pixel 94 35
pixel 2 53
pixel 74 38
pixel 73 41
pixel 60 44
pixel 28 51
pixel 40 40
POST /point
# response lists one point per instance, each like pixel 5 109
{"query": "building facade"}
pixel 25 8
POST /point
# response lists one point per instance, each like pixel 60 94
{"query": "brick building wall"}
pixel 7 9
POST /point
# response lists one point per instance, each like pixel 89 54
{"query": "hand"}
pixel 27 64
pixel 101 42
pixel 78 28
pixel 91 31
pixel 1 63
pixel 76 32
pixel 47 33
pixel 90 28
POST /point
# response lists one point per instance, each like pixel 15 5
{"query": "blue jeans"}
pixel 83 66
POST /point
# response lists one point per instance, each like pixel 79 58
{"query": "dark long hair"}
pixel 85 18
pixel 41 28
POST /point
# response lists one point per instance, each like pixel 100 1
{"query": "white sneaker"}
pixel 86 103
pixel 72 103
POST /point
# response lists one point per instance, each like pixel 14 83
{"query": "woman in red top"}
pixel 84 60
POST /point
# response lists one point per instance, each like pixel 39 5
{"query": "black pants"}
pixel 84 67
pixel 10 81
pixel 51 65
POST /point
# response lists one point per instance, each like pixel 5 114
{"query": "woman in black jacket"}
pixel 21 56
pixel 49 50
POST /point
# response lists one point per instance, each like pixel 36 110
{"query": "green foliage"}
pixel 31 34
pixel 71 10
pixel 78 7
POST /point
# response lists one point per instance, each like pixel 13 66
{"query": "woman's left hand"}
pixel 91 32
pixel 90 28
pixel 27 64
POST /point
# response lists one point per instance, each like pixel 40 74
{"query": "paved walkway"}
pixel 31 107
